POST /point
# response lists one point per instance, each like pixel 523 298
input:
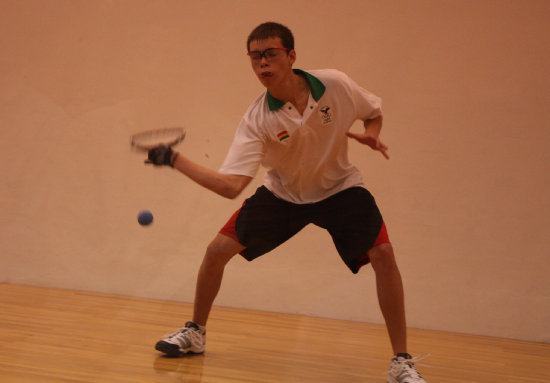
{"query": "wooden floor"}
pixel 49 335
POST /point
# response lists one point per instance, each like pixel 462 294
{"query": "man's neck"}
pixel 294 89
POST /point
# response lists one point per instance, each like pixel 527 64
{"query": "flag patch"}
pixel 283 135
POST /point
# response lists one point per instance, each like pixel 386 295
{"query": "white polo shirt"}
pixel 306 156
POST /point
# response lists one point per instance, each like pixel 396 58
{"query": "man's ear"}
pixel 292 54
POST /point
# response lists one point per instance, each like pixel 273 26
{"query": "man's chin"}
pixel 265 82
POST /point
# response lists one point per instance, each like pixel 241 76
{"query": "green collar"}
pixel 316 86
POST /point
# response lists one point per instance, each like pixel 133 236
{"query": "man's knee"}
pixel 221 250
pixel 382 258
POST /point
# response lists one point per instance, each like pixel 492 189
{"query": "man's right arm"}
pixel 241 163
pixel 226 185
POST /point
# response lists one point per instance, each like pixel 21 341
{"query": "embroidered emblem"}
pixel 326 115
pixel 283 135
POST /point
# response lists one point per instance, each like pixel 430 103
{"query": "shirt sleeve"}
pixel 247 150
pixel 367 104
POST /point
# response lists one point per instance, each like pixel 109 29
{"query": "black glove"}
pixel 159 156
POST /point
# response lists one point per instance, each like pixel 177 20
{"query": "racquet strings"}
pixel 160 137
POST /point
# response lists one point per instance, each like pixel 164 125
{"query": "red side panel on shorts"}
pixel 229 228
pixel 382 238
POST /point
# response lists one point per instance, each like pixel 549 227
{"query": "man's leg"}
pixel 209 280
pixel 390 294
pixel 191 339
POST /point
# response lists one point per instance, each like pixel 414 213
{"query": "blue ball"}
pixel 145 217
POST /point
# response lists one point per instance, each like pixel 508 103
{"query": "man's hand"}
pixel 373 142
pixel 161 155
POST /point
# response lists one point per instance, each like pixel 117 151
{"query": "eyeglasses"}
pixel 269 53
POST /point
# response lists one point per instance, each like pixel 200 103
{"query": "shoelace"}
pixel 407 366
pixel 181 336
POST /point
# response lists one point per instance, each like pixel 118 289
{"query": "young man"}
pixel 298 129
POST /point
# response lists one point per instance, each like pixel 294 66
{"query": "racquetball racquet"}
pixel 149 139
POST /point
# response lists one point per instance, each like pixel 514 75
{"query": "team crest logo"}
pixel 283 135
pixel 326 115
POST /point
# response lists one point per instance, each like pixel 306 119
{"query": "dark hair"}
pixel 270 29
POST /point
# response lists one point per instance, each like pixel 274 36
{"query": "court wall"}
pixel 465 88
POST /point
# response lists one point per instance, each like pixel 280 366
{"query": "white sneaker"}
pixel 190 339
pixel 402 370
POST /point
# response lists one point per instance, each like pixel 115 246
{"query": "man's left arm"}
pixel 371 135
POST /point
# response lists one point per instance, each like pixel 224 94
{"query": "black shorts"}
pixel 350 216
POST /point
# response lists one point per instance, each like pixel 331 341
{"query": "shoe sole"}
pixel 172 350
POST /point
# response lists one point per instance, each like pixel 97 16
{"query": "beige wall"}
pixel 466 91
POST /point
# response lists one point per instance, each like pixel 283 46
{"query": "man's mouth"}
pixel 266 74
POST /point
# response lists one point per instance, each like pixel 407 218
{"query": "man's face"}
pixel 271 63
